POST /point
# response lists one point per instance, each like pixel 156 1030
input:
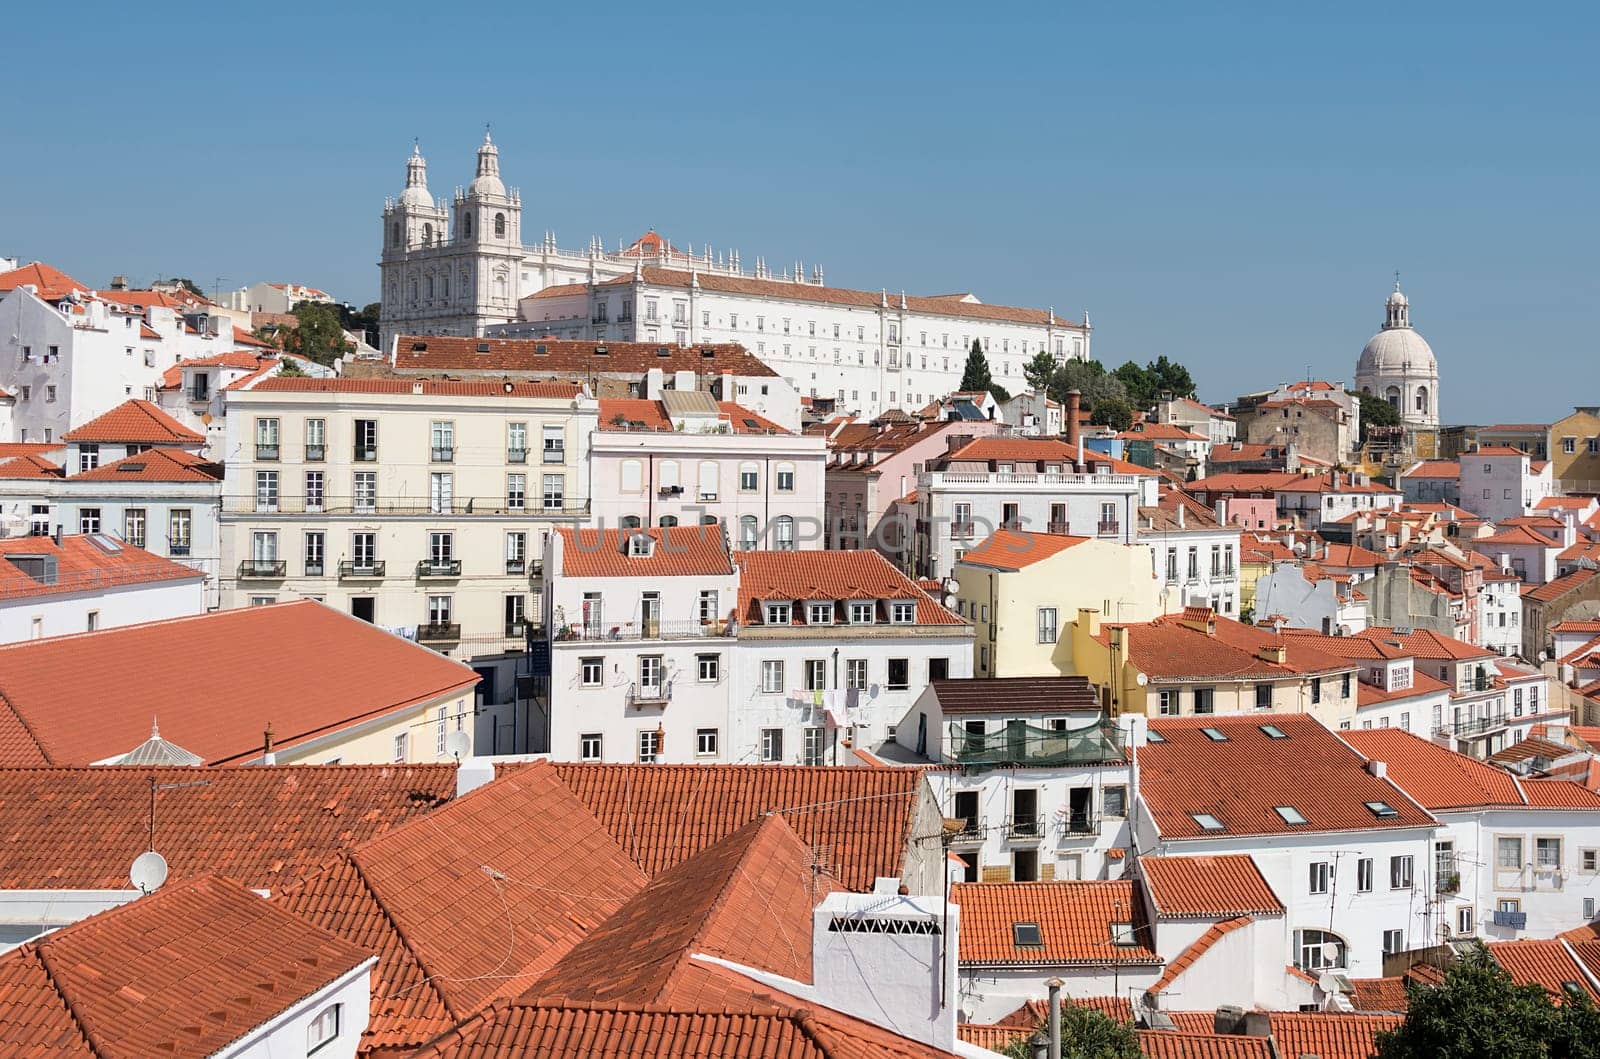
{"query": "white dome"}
pixel 416 196
pixel 488 184
pixel 1397 351
pixel 1397 299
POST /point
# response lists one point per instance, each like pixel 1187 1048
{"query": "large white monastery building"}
pixel 460 267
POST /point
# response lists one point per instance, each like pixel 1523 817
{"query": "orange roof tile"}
pixel 1194 950
pixel 550 357
pixel 91 696
pixel 1449 469
pixel 1329 1035
pixel 182 973
pixel 1551 591
pixel 1018 549
pixel 1208 887
pixel 1242 780
pixel 52 283
pixel 1438 778
pixel 82 565
pixel 29 466
pixel 1174 647
pixel 1168 1044
pixel 677 551
pixel 419 387
pixel 1039 450
pixel 1547 962
pixel 136 421
pixel 1076 923
pixel 1015 695
pixel 829 576
pixel 995 1038
pixel 663 814
pixel 155 465
pixel 245 338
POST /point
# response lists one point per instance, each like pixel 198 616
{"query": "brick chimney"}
pixel 1074 404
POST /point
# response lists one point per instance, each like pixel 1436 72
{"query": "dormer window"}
pixel 777 614
pixel 903 612
pixel 819 613
pixel 639 545
pixel 862 612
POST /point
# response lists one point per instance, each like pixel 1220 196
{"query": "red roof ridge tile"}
pixel 1196 949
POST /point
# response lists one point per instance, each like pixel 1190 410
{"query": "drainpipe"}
pixel 1055 1017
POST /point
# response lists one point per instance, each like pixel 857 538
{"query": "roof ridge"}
pixel 84 1025
pixel 32 735
pixel 405 941
pixel 212 614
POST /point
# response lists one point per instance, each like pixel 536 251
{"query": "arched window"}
pixel 1392 395
pixel 709 520
pixel 632 476
pixel 429 286
pixel 667 476
pixel 748 533
pixel 500 224
pixel 502 285
pixel 466 226
pixel 413 290
pixel 1422 399
pixel 427 235
pixel 783 534
pixel 630 522
pixel 444 285
pixel 667 521
pixel 1318 950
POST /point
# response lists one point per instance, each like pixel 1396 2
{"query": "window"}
pixel 180 524
pixel 402 746
pixel 314 552
pixel 708 668
pixel 899 674
pixel 1547 852
pixel 1400 873
pixel 785 476
pixel 819 613
pixel 589 746
pixel 555 444
pixel 366 447
pixel 314 491
pixel 749 478
pixel 322 1029
pixel 1290 815
pixel 772 677
pixel 783 538
pixel 441 549
pixel 816 673
pixel 1464 920
pixel 1321 876
pixel 1172 565
pixel 903 612
pixel 1589 859
pixel 1393 941
pixel 777 614
pixel 772 744
pixel 705 742
pixel 649 746
pixel 364 550
pixel 88 520
pixel 133 526
pixel 1364 875
pixel 1318 950
pixel 1203 700
pixel 813 745
pixel 1047 625
pixel 516 492
pixel 855 673
pixel 266 490
pixel 439 608
pixel 88 457
pixel 366 492
pixel 1316 689
pixel 267 439
pixel 316 438
pixel 1114 801
pixel 749 535
pixel 555 486
pixel 862 612
pixel 1263 696
pixel 1167 702
pixel 592 672
pixel 441 492
pixel 1569 445
pixel 1588 909
pixel 1207 822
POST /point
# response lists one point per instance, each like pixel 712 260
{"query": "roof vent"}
pixel 483 347
pixel 418 346
pixel 707 352
pixel 541 349
pixel 130 468
pixel 663 352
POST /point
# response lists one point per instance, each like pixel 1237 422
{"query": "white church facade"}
pixel 460 268
pixel 1398 365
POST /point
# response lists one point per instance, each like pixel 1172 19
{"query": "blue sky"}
pixel 1231 187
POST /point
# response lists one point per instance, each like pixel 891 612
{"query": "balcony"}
pixel 200 394
pixel 365 454
pixel 316 453
pixel 439 568
pixel 556 455
pixel 443 453
pixel 266 452
pixel 640 695
pixel 1477 727
pixel 516 630
pixel 971 831
pixel 177 549
pixel 1013 524
pixel 516 566
pixel 358 571
pixel 1025 826
pixel 959 530
pixel 670 490
pixel 1109 529
pixel 603 631
pixel 1058 526
pixel 1026 744
pixel 1448 881
pixel 1071 824
pixel 516 455
pixel 439 632
pixel 262 569
pixel 314 569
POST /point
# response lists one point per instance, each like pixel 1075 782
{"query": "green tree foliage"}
pixel 1375 412
pixel 290 369
pixel 1114 413
pixel 1089 378
pixel 1087 1034
pixel 1040 370
pixel 318 334
pixel 1146 385
pixel 975 377
pixel 191 286
pixel 1478 1011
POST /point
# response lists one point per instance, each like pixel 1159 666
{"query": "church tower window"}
pixel 427 235
pixel 500 224
pixel 466 226
pixel 394 234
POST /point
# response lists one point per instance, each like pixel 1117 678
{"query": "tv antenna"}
pixel 149 869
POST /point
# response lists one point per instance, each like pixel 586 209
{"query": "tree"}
pixel 1040 370
pixel 1090 379
pixel 1146 385
pixel 1114 413
pixel 975 377
pixel 317 334
pixel 1375 412
pixel 1087 1034
pixel 1479 1011
pixel 290 369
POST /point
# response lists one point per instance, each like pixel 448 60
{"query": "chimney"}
pixel 119 282
pixel 1379 769
pixel 1180 515
pixel 267 756
pixel 889 959
pixel 1276 654
pixel 653 383
pixel 1074 403
pixel 954 441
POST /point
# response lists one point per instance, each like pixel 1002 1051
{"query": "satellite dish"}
pixel 952 585
pixel 949 601
pixel 458 745
pixel 149 871
pixel 1330 951
pixel 1141 679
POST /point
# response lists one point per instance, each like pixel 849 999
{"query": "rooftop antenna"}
pixel 149 869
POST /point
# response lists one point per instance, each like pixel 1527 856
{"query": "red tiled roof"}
pixel 245 338
pixel 1243 780
pixel 1168 648
pixel 1018 549
pixel 552 357
pixel 1559 794
pixel 1329 1035
pixel 13 449
pixel 1520 535
pixel 242 359
pixel 419 387
pixel 639 413
pixel 1075 921
pixel 663 814
pixel 526 1028
pixel 1424 643
pixel 1159 432
pixel 1208 887
pixel 1551 591
pixel 52 283
pixel 136 421
pixel 678 551
pixel 264 826
pixel 1168 1044
pixel 181 973
pixel 1449 469
pixel 178 301
pixel 995 1038
pixel 1039 450
pixel 1194 950
pixel 91 696
pixel 155 465
pixel 1015 695
pixel 1547 962
pixel 29 467
pixel 1439 779
pixel 83 566
pixel 825 576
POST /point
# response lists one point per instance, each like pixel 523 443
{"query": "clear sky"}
pixel 1231 187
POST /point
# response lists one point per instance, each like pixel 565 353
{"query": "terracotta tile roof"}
pixel 1334 482
pixel 1194 950
pixel 241 359
pixel 1242 781
pixel 1421 685
pixel 177 301
pixel 936 305
pixel 1167 1044
pixel 52 283
pixel 1018 549
pixel 641 414
pixel 1349 556
pixel 12 449
pixel 91 696
pixel 245 338
pixel 264 826
pixel 1208 887
pixel 1559 794
pixel 1424 643
pixel 1075 921
pixel 1159 432
pixel 551 357
pixel 1328 1035
pixel 474 901
pixel 995 1038
pixel 1547 962
pixel 1574 503
pixel 678 551
pixel 1551 591
pixel 663 814
pixel 830 575
pixel 82 565
pixel 1042 451
pixel 1259 551
pixel 1175 647
pixel 1016 695
pixel 182 973
pixel 1449 469
pixel 135 421
pixel 429 388
pixel 155 465
pixel 1516 535
pixel 1380 994
pixel 1439 779
pixel 1532 747
pixel 29 467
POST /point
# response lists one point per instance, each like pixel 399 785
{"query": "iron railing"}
pixel 649 694
pixel 354 570
pixel 596 632
pixel 439 568
pixel 438 632
pixel 263 568
pixel 1026 744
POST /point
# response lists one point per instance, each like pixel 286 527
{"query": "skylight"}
pixel 1154 736
pixel 1215 735
pixel 1272 731
pixel 1026 936
pixel 1208 822
pixel 1122 934
pixel 1381 809
pixel 1290 814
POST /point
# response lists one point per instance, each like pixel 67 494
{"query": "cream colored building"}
pixel 1022 590
pixel 419 506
